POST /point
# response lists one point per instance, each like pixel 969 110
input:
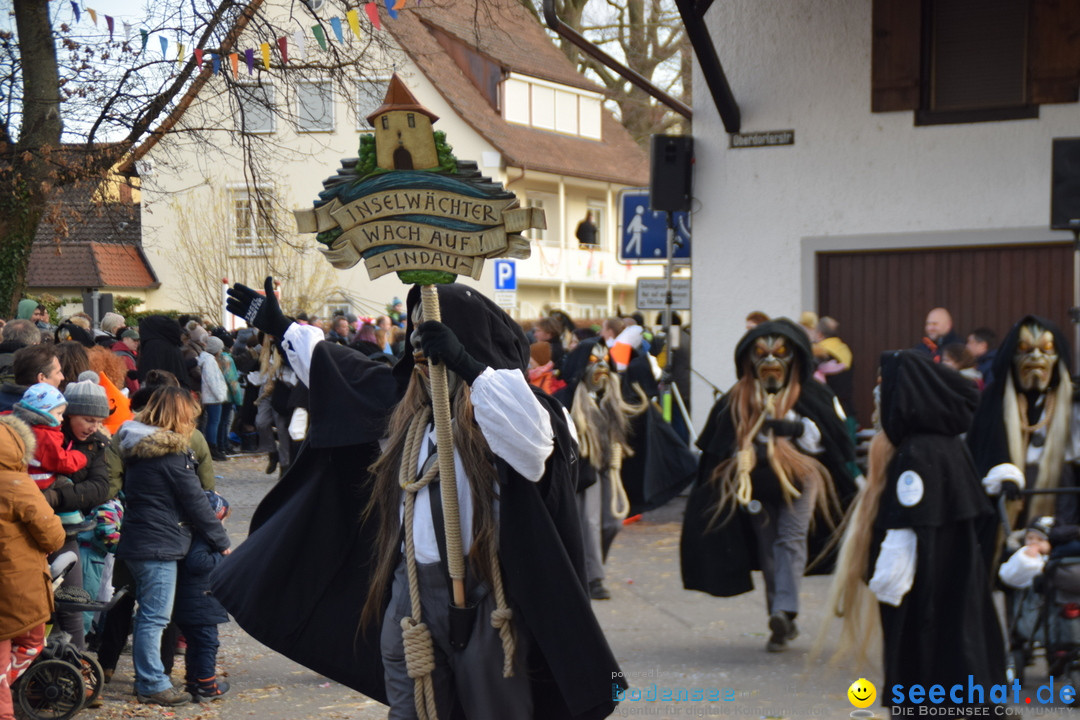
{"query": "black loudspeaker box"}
pixel 670 185
pixel 1065 188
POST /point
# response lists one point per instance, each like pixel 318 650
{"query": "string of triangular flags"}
pixel 352 18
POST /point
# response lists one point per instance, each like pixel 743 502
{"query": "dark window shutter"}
pixel 1054 52
pixel 895 55
pixel 977 54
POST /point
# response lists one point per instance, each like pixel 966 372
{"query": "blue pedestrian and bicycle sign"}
pixel 643 232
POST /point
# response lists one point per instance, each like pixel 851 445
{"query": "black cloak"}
pixel 946 627
pixel 298 582
pixel 719 560
pixel 159 348
pixel 987 437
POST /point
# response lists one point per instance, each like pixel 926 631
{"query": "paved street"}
pixel 662 635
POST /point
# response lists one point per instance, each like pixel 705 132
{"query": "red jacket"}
pixel 53 456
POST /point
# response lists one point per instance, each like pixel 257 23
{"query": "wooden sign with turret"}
pixel 407 205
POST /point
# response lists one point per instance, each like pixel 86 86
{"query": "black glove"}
pixel 262 312
pixel 440 344
pixel 1010 489
pixel 1061 534
pixel 784 428
pixel 60 496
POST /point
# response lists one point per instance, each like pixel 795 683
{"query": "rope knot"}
pixel 501 617
pixel 419 650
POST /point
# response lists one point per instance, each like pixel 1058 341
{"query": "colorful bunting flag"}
pixel 301 46
pixel 145 36
pixel 234 60
pixel 391 9
pixel 109 22
pixel 249 58
pixel 93 15
pixel 401 3
pixel 164 46
pixel 127 32
pixel 372 11
pixel 78 13
pixel 283 47
pixel 320 36
pixel 354 21
pixel 198 58
pixel 179 53
pixel 335 23
pixel 265 48
pixel 216 59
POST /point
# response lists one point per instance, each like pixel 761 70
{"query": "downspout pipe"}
pixel 709 62
pixel 635 78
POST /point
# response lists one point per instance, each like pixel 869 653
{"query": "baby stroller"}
pixel 61 680
pixel 1045 617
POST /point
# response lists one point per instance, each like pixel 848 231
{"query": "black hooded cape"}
pixel 159 348
pixel 987 437
pixel 719 560
pixel 661 464
pixel 298 582
pixel 945 628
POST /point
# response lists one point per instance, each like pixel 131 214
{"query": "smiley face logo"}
pixel 862 693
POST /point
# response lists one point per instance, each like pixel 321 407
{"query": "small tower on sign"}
pixel 403 134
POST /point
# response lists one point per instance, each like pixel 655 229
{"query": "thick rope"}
pixel 444 437
pixel 746 458
pixel 502 616
pixel 419 651
pixel 620 502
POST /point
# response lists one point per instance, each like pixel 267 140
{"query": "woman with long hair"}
pixel 165 505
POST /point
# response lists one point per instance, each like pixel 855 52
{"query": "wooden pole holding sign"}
pixel 444 440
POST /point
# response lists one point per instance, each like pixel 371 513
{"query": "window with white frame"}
pixel 599 215
pixel 256 113
pixel 550 205
pixel 252 228
pixel 315 106
pixel 339 307
pixel 552 106
pixel 369 98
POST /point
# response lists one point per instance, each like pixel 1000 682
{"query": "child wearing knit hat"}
pixel 42 408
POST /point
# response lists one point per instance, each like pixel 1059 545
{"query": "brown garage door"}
pixel 881 298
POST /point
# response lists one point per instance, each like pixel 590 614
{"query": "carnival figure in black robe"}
pixel 919 531
pixel 1024 433
pixel 593 395
pixel 772 481
pixel 325 542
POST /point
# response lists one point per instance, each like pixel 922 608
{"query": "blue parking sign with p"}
pixel 505 275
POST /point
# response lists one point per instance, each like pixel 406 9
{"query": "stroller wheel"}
pixel 93 677
pixel 50 690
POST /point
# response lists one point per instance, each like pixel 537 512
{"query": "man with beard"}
pixel 325 578
pixel 1023 432
pixel 774 455
pixel 593 395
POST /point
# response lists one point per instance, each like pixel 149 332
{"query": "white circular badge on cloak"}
pixel 909 488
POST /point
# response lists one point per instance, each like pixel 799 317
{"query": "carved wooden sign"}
pixel 441 221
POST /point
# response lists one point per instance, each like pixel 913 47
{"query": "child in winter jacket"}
pixel 197 613
pixel 42 408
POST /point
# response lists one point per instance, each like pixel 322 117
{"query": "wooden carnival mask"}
pixel 1035 357
pixel 771 358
